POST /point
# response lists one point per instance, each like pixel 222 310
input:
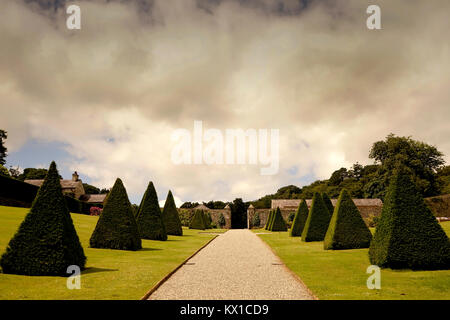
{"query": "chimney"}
pixel 75 176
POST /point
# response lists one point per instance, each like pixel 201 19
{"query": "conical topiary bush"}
pixel 407 234
pixel 198 220
pixel 328 203
pixel 171 218
pixel 116 227
pixel 318 220
pixel 278 223
pixel 149 219
pixel 271 216
pixel 46 242
pixel 299 220
pixel 347 229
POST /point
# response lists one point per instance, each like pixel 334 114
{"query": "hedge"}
pixel 299 220
pixel 407 234
pixel 46 242
pixel 116 228
pixel 171 218
pixel 347 229
pixel 148 218
pixel 318 220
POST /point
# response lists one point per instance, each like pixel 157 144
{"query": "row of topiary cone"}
pixel 201 220
pixel 118 228
pixel 46 242
pixel 407 235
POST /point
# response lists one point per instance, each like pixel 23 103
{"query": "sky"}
pixel 106 99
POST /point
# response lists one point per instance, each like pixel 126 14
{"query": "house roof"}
pixel 294 203
pixel 201 207
pixel 93 198
pixel 65 184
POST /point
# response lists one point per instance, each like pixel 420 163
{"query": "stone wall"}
pixel 215 214
pixel 263 215
pixel 366 212
pixel 440 205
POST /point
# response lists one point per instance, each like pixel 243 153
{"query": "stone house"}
pixel 74 188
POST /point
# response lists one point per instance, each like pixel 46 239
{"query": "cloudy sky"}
pixel 105 100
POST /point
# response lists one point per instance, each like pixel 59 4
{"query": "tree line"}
pixel 425 163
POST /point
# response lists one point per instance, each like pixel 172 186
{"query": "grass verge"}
pixel 109 274
pixel 341 274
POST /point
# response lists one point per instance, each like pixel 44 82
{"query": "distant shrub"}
pixel 318 220
pixel 299 220
pixel 149 219
pixel 256 220
pixel 198 220
pixel 347 229
pixel 278 223
pixel 170 216
pixel 116 228
pixel 221 221
pixel 95 211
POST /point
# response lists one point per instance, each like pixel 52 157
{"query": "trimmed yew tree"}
pixel 299 220
pixel 272 216
pixel 407 234
pixel 46 242
pixel 328 203
pixel 198 220
pixel 347 229
pixel 171 218
pixel 269 217
pixel 149 219
pixel 278 223
pixel 116 227
pixel 318 220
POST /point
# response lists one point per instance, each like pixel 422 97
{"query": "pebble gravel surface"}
pixel 237 265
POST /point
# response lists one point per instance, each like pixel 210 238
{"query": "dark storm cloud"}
pixel 139 69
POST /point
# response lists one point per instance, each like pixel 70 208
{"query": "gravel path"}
pixel 236 265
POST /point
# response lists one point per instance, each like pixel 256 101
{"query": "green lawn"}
pixel 110 274
pixel 342 274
